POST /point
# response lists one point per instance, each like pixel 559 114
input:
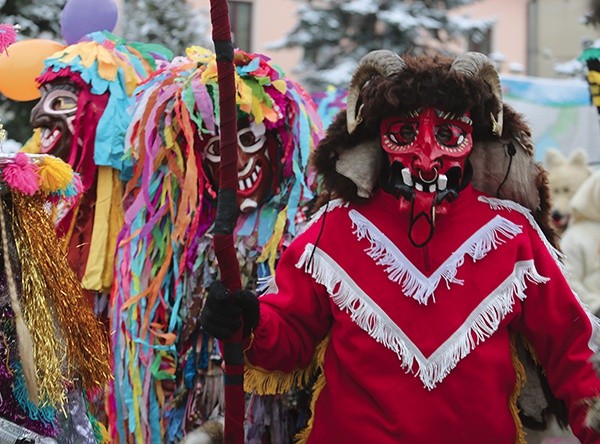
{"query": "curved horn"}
pixel 477 64
pixel 381 62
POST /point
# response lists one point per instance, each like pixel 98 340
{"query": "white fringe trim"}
pixel 364 312
pixel 329 206
pixel 266 284
pixel 509 205
pixel 414 283
pixel 496 204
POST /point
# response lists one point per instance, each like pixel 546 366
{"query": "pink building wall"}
pixel 509 36
pixel 552 34
pixel 274 18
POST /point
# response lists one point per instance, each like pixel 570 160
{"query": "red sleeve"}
pixel 560 331
pixel 292 320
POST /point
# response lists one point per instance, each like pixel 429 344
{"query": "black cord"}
pixel 511 152
pixel 312 254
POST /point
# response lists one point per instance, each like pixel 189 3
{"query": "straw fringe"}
pixel 264 382
pixel 479 325
pixel 520 380
pixel 414 284
pixel 302 436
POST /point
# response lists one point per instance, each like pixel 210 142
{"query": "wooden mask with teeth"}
pixel 425 120
pixel 256 174
pixel 428 151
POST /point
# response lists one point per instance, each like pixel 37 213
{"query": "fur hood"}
pixel 353 164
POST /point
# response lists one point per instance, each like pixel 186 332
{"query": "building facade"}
pixel 529 36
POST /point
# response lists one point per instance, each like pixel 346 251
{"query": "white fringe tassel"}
pixel 479 325
pixel 496 204
pixel 414 283
pixel 509 205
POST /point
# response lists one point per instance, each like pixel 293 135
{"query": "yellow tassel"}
pixel 23 334
pixel 520 379
pixel 54 174
pixel 104 436
pixel 264 382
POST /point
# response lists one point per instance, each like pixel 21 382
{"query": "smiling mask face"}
pixel 255 175
pixel 55 115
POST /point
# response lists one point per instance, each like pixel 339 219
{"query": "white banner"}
pixel 559 112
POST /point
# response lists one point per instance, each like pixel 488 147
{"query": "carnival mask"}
pixel 427 150
pixel 54 114
pixel 255 175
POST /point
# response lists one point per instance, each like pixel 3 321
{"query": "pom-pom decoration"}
pixel 32 173
pixel 8 36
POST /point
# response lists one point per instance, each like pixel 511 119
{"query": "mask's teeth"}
pixel 406 176
pixel 442 182
pixel 432 188
pixel 418 186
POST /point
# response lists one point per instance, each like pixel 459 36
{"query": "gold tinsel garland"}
pixel 47 352
pixel 25 342
pixel 86 339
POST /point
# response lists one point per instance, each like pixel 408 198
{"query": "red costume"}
pixel 420 338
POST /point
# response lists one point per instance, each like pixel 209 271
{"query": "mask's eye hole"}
pixel 403 133
pixel 450 136
pixel 249 142
pixel 213 150
pixel 59 101
pixel 63 104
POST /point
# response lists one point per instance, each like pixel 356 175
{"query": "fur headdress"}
pixel 352 163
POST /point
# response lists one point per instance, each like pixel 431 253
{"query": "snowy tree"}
pixel 172 23
pixel 37 19
pixel 335 34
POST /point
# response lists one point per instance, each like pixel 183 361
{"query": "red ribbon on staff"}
pixel 226 216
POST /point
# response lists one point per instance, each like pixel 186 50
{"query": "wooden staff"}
pixel 227 215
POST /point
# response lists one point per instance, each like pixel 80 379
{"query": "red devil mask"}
pixel 427 150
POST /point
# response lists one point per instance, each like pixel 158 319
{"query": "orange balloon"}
pixel 23 64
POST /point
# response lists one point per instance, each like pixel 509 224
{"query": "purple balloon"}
pixel 81 17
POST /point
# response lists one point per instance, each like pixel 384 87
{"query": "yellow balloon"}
pixel 23 64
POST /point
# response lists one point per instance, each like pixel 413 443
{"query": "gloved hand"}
pixel 222 314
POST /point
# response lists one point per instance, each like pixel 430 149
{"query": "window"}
pixel 240 13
